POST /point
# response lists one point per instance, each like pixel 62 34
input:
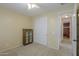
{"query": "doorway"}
pixel 66 30
pixel 66 26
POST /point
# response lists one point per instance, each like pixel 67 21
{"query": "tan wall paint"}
pixel 11 25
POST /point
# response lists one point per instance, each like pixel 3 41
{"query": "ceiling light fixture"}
pixel 35 6
pixel 66 16
pixel 31 6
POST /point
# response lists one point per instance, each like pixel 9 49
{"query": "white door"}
pixel 40 30
pixel 74 39
pixel 74 33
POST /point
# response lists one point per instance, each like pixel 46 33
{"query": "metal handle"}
pixel 74 40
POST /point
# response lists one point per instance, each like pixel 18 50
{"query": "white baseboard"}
pixel 48 46
pixel 21 45
pixel 10 48
pixel 53 48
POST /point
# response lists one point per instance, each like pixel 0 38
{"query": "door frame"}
pixel 70 26
pixel 74 30
pixel 70 12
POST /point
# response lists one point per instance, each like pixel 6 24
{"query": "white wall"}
pixel 53 27
pixel 11 25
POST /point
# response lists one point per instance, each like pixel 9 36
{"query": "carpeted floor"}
pixel 36 49
pixel 66 40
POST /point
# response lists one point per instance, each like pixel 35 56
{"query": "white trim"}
pixel 68 12
pixel 47 46
pixel 74 28
pixel 74 31
pixel 10 48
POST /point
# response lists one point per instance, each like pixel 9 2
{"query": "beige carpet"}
pixel 66 41
pixel 36 50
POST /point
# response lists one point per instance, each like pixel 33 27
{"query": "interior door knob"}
pixel 74 40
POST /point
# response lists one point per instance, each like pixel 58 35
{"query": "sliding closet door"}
pixel 40 30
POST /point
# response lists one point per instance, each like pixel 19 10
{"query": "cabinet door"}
pixel 27 38
pixel 30 36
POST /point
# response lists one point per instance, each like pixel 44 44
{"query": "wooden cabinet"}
pixel 27 36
